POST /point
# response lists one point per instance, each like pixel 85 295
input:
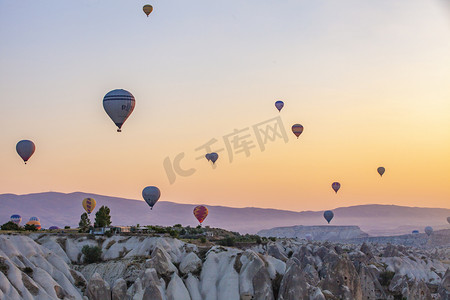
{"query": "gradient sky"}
pixel 369 81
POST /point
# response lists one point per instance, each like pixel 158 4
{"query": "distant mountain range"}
pixel 65 209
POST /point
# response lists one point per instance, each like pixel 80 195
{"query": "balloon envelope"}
pixel 200 212
pixel 297 129
pixel 279 105
pixel 428 230
pixel 336 186
pixel 35 223
pixel 448 220
pixel 89 205
pixel 328 215
pixel 381 171
pixel 151 195
pixel 34 219
pixel 25 149
pixel 213 157
pixel 207 156
pixel 309 236
pixel 16 219
pixel 119 104
pixel 53 227
pixel 415 231
pixel 147 9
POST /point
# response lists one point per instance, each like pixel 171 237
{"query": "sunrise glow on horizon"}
pixel 369 81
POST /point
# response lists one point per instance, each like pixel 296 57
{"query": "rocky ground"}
pixel 50 266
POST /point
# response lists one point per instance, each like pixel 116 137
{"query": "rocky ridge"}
pixel 46 266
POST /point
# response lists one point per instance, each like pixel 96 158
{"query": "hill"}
pixel 65 209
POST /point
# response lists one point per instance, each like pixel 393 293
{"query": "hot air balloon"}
pixel 119 104
pixel 147 9
pixel 309 236
pixel 336 186
pixel 207 156
pixel 89 205
pixel 381 171
pixel 328 215
pixel 279 105
pixel 53 228
pixel 16 219
pixel 297 129
pixel 428 230
pixel 213 157
pixel 448 220
pixel 25 149
pixel 37 224
pixel 35 219
pixel 200 212
pixel 415 231
pixel 151 195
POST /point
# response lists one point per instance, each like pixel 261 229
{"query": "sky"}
pixel 368 80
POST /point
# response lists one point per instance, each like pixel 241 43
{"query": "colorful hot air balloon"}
pixel 279 105
pixel 16 219
pixel 36 219
pixel 213 157
pixel 147 9
pixel 381 171
pixel 35 223
pixel 200 212
pixel 297 129
pixel 151 195
pixel 336 186
pixel 428 230
pixel 89 205
pixel 328 215
pixel 25 149
pixel 119 104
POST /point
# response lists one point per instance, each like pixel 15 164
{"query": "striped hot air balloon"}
pixel 200 212
pixel 119 104
pixel 35 223
pixel 297 129
pixel 89 205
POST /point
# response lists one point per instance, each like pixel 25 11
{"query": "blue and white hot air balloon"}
pixel 35 219
pixel 16 219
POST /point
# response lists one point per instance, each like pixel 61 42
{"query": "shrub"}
pixel 66 227
pixel 202 239
pixel 91 254
pixel 109 233
pixel 10 226
pixel 386 277
pixel 28 271
pixel 229 241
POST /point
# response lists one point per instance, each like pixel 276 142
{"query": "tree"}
pixel 30 227
pixel 85 223
pixel 92 254
pixel 102 217
pixel 10 226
